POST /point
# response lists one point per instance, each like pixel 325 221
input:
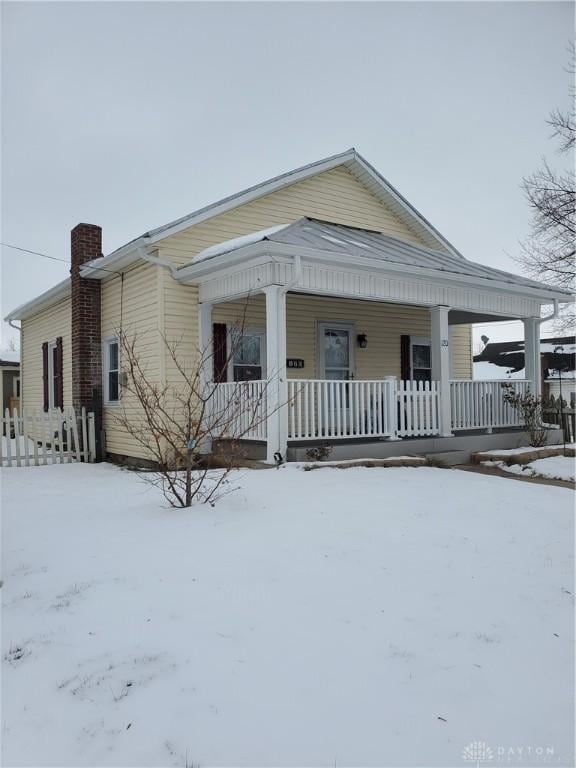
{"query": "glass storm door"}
pixel 337 364
pixel 336 352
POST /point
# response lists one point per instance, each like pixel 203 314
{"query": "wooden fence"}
pixel 565 419
pixel 36 438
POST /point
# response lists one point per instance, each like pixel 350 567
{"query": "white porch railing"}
pixel 324 408
pixel 481 405
pixel 237 410
pixel 418 408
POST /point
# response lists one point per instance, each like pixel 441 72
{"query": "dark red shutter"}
pixel 45 374
pixel 220 355
pixel 405 358
pixel 59 375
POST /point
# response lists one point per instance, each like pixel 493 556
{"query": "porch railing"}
pixel 329 409
pixel 326 409
pixel 237 410
pixel 481 404
pixel 418 408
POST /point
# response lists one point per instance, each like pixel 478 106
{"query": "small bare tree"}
pixel 176 419
pixel 530 407
pixel 549 252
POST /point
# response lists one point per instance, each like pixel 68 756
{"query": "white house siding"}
pixel 383 325
pixel 334 196
pixel 142 318
pixel 46 325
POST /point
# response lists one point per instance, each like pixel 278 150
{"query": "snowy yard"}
pixel 553 468
pixel 376 617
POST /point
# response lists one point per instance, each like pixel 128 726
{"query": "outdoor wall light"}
pixel 362 340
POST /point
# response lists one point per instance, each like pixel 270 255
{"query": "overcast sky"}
pixel 129 115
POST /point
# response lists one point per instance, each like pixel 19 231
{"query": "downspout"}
pixel 553 316
pixel 156 260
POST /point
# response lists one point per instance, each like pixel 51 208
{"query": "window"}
pixel 16 386
pixel 52 374
pixel 111 371
pixel 248 352
pixel 420 360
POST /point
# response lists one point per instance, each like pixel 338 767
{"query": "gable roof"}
pixel 339 240
pixel 354 163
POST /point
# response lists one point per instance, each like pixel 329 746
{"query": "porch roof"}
pixel 358 244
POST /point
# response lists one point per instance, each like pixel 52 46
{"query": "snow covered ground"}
pixel 553 467
pixel 376 617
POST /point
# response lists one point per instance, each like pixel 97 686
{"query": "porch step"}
pixel 450 458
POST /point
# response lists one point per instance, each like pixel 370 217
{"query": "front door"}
pixel 336 351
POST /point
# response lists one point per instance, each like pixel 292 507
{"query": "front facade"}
pixel 355 315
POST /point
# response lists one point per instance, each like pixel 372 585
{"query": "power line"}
pixel 36 253
pixel 55 258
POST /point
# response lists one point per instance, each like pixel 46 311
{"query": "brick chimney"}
pixel 86 245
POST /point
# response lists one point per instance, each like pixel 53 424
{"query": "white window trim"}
pixel 106 370
pixel 337 325
pixel 51 393
pixel 247 332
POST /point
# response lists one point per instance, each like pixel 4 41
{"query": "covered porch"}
pixel 353 342
pixel 337 402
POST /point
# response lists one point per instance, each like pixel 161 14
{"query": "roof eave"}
pixel 190 272
pixel 43 301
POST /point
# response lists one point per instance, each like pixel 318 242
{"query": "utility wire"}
pixel 55 258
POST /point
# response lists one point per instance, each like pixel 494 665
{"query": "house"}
pixel 9 380
pixel 507 357
pixel 356 317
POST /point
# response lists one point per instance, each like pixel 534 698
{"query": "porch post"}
pixel 277 387
pixel 532 354
pixel 440 364
pixel 205 361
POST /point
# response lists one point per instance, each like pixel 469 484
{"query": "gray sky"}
pixel 131 114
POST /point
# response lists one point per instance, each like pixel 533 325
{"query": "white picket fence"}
pixel 481 404
pixel 36 438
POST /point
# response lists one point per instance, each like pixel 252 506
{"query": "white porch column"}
pixel 440 352
pixel 205 360
pixel 277 387
pixel 532 354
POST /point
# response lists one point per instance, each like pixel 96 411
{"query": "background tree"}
pixel 549 251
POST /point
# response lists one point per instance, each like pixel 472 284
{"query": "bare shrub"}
pixel 176 420
pixel 530 407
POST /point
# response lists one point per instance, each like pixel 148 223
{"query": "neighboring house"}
pixel 9 380
pixel 341 284
pixel 505 359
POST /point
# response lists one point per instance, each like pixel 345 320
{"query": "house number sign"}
pixel 294 362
